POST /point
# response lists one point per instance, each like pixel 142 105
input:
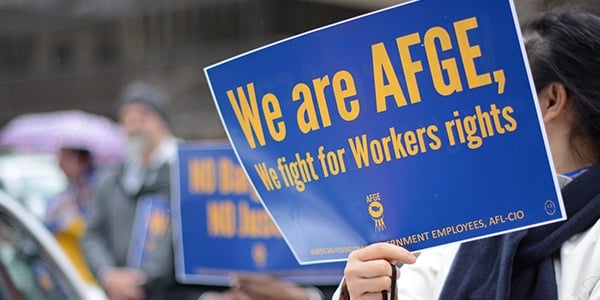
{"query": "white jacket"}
pixel 577 270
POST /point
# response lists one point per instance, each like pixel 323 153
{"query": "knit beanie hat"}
pixel 147 94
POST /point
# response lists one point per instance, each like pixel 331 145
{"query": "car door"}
pixel 32 265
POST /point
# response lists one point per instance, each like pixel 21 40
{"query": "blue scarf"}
pixel 519 265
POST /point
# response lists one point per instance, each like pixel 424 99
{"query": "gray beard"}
pixel 137 145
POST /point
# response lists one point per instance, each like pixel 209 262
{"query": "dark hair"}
pixel 82 154
pixel 563 45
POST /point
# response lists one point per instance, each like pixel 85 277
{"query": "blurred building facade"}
pixel 77 54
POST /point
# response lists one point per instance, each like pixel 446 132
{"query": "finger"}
pixel 137 276
pixel 238 295
pixel 370 296
pixel 243 278
pixel 135 293
pixel 252 289
pixel 360 286
pixel 368 269
pixel 387 251
pixel 239 280
pixel 256 286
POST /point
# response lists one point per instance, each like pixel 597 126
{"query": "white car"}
pixel 32 264
pixel 31 178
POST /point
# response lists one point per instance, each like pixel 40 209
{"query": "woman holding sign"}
pixel 555 261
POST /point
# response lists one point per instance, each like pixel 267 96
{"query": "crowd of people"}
pixel 93 219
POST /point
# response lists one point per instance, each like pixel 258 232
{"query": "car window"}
pixel 7 290
pixel 31 179
pixel 29 266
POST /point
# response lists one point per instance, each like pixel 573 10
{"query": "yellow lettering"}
pixel 410 141
pixel 359 149
pixel 342 93
pixel 435 65
pixel 436 142
pixel 382 71
pixel 272 111
pixel 409 66
pixel 232 179
pixel 469 53
pixel 201 174
pixel 320 84
pixel 247 114
pixel 220 218
pixel 255 223
pixel 306 115
pixel 268 176
pixel 512 123
pixel 472 129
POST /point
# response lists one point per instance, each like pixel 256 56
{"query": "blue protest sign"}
pixel 417 125
pixel 221 227
pixel 150 230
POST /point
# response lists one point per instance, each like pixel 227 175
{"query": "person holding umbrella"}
pixel 81 141
pixel 67 213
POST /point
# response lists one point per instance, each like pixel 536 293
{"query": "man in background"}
pixel 128 243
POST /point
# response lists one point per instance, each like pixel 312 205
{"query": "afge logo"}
pixel 259 255
pixel 376 210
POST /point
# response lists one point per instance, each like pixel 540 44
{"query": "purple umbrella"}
pixel 48 132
